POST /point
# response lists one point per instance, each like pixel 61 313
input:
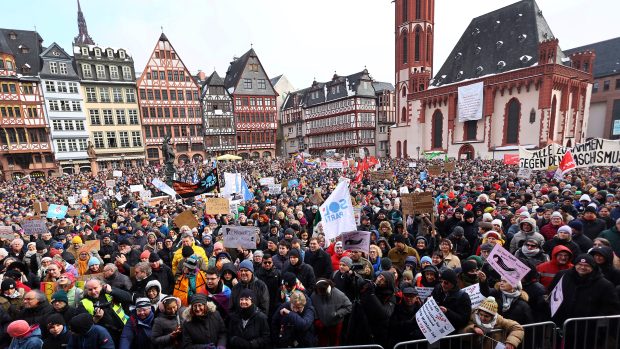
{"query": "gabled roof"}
pixel 47 51
pixel 382 86
pixel 496 42
pixel 233 74
pixel 24 38
pixel 275 80
pixel 607 60
pixel 214 80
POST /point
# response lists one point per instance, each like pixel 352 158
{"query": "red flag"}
pixel 372 161
pixel 567 163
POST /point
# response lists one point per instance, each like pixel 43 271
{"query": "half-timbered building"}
pixel 218 117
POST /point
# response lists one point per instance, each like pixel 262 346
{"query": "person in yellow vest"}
pixel 105 304
pixel 192 281
pixel 187 240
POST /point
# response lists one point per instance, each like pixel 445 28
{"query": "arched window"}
pixel 403 115
pixel 405 47
pixel 398 150
pixel 437 141
pixel 405 10
pixel 418 9
pixel 404 92
pixel 429 40
pixel 513 112
pixel 405 149
pixel 554 106
pixel 417 44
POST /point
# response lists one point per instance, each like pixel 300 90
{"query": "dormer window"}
pixel 9 65
pixel 24 49
pixel 121 54
pixel 110 53
pixel 97 52
pixel 84 51
pixel 12 36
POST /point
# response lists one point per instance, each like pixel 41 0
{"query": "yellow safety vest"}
pixel 90 308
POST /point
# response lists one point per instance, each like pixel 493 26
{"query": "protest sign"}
pixel 34 226
pixel 357 212
pixel 594 152
pixel 267 181
pixel 284 183
pixel 84 193
pixel 474 295
pixel 85 278
pixel 423 202
pixel 117 173
pixel 413 165
pixel 432 321
pixel 356 241
pixel 158 200
pixel 450 166
pixel 98 197
pixel 381 175
pixel 186 218
pixel 236 236
pixel 163 187
pixel 406 204
pixel 424 292
pixel 556 297
pixel 39 207
pixel 7 233
pixel 292 183
pixel 136 188
pixel 525 173
pixel 434 170
pixel 145 195
pixel 337 212
pixel 74 213
pixel 48 288
pixel 110 183
pixel 275 189
pixel 57 211
pixel 507 265
pixel 217 206
pixel 511 159
pixel 404 190
pixel 118 197
pixel 90 245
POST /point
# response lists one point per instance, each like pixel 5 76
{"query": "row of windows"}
pixel 212 106
pixel 97 51
pixel 606 85
pixel 31 112
pixel 256 137
pixel 106 115
pixel 68 125
pixel 64 105
pixel 61 87
pixel 165 95
pixel 261 84
pixel 167 112
pixel 7 64
pixel 254 101
pixel 220 123
pixel 170 75
pixel 20 135
pixel 179 131
pixel 72 145
pixel 58 68
pixel 25 88
pixel 338 136
pixel 100 71
pixel 111 141
pixel 106 97
pixel 165 54
pixel 340 104
pixel 256 117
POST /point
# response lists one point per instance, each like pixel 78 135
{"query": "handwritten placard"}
pixel 381 175
pixel 424 292
pixel 432 321
pixel 236 236
pixel 434 170
pixel 217 206
pixel 110 183
pixel 474 295
pixel 186 218
pixel 34 226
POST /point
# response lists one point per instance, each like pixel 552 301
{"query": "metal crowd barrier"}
pixel 369 346
pixel 600 332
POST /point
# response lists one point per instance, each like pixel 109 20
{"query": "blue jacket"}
pixel 294 327
pixel 33 341
pixel 137 333
pixel 96 338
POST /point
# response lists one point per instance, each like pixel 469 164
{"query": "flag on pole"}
pixel 567 164
pixel 337 212
pixel 207 184
pixel 247 194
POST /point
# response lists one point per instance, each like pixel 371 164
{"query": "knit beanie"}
pixel 145 254
pixel 7 284
pixel 247 293
pixel 247 264
pixel 585 258
pixel 18 328
pixel 187 251
pixel 347 261
pixel 93 261
pixel 191 263
pixel 81 323
pixel 143 302
pixel 489 305
pixel 450 276
pixel 60 296
pixel 154 257
pixel 199 298
pixel 76 240
pixel 426 259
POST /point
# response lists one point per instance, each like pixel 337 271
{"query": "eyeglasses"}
pixel 267 262
pixel 531 245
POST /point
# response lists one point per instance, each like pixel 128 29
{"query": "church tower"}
pixel 82 38
pixel 414 51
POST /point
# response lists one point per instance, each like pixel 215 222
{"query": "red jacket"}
pixel 549 230
pixel 548 270
pixel 334 257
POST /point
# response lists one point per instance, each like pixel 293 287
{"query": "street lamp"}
pixel 418 149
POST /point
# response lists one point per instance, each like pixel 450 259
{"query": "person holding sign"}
pixel 486 319
pixel 452 301
pixel 512 300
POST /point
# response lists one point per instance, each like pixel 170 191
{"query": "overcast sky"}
pixel 301 39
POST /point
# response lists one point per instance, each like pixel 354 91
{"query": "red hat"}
pixel 145 254
pixel 145 222
pixel 18 328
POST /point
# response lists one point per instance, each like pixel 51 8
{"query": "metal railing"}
pixel 368 346
pixel 591 332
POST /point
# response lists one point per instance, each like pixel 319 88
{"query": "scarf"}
pixel 508 298
pixel 486 328
pixel 529 253
pixel 285 294
pixel 82 266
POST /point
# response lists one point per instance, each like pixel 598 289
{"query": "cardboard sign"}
pixel 433 322
pixel 356 241
pixel 236 236
pixel 48 287
pixel 117 173
pixel 525 173
pixel 98 197
pixel 85 278
pixel 217 206
pixel 186 218
pixel 34 226
pixel 450 166
pixel 110 183
pixel 507 265
pixel 267 181
pixel 434 170
pixel 406 204
pixel 284 183
pixel 74 213
pixel 423 202
pixel 136 188
pixel 90 245
pixel 381 175
pixel 275 189
pixel 474 295
pixel 40 207
pixel 424 292
pixel 157 200
pixel 7 233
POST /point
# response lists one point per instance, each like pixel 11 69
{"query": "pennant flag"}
pixel 163 187
pixel 207 184
pixel 337 212
pixel 247 194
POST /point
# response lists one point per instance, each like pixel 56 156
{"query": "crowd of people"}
pixel 122 274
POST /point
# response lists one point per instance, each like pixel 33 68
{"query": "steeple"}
pixel 82 38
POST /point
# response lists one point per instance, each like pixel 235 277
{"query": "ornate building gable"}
pixel 246 76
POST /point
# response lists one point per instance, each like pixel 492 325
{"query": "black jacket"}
pixel 321 263
pixel 458 304
pixel 272 279
pixel 197 332
pixel 255 334
pixel 403 325
pixel 36 315
pixel 519 310
pixel 57 342
pixel 304 273
pixel 260 291
pixel 165 278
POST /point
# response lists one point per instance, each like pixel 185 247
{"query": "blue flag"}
pixel 423 176
pixel 247 194
pixel 57 211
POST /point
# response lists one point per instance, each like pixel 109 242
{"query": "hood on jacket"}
pixel 384 240
pixel 389 277
pixel 153 283
pixel 604 251
pixel 160 305
pixel 529 221
pixel 558 249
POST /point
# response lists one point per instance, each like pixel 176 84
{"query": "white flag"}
pixel 337 212
pixel 556 297
pixel 163 187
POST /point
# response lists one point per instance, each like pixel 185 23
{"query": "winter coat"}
pixel 119 280
pixel 293 329
pixel 591 295
pixel 321 263
pixel 513 330
pixel 198 251
pixel 181 288
pixel 517 239
pixel 609 272
pixel 164 275
pixel 37 314
pixel 584 242
pixel 331 309
pixel 260 291
pixel 403 325
pixel 96 338
pixel 519 311
pixel 593 228
pixel 304 273
pixel 5 320
pixel 549 230
pixel 255 333
pixel 32 341
pixel 57 342
pixel 536 259
pixel 551 244
pixel 613 235
pixel 378 305
pixel 398 257
pixel 200 331
pixel 272 279
pixel 163 325
pixel 456 302
pixel 549 269
pixel 138 333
